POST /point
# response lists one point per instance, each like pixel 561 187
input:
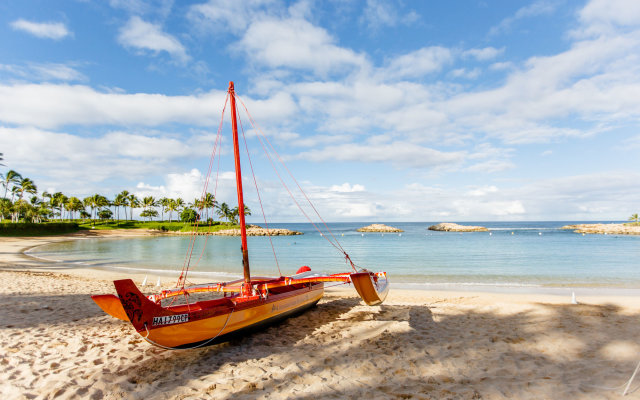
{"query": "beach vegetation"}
pixel 634 218
pixel 189 215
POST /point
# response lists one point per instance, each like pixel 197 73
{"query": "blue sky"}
pixel 384 110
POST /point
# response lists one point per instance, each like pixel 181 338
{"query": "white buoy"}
pixel 573 298
pixel 362 234
pixel 490 233
pixel 144 281
pixel 399 234
pixel 540 233
pixel 158 283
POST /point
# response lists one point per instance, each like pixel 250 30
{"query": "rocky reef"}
pixel 451 227
pixel 605 229
pixel 379 228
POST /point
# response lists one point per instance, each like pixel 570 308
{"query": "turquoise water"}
pixel 514 254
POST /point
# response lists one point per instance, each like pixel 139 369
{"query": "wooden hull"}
pixel 208 322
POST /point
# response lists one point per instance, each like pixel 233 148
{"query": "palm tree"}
pixel 125 201
pixel 117 202
pixel 163 203
pixel 59 200
pixel 134 202
pixel 224 211
pixel 89 202
pixel 172 206
pixel 1 158
pixel 235 213
pixel 148 203
pixel 26 185
pixel 209 201
pixel 74 205
pixel 634 217
pixel 101 202
pixel 11 178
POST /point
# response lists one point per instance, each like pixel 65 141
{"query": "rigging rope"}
pixel 255 182
pixel 260 135
pixel 185 267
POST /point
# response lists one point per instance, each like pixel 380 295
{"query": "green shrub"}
pixel 29 229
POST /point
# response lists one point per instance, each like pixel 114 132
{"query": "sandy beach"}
pixel 56 343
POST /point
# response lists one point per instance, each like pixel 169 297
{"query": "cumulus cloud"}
pixel 51 106
pixel 76 163
pixel 419 63
pixel 483 54
pixel 268 42
pixel 229 15
pixel 145 36
pixel 46 30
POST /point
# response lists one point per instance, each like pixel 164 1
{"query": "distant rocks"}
pixel 254 230
pixel 451 227
pixel 605 229
pixel 379 228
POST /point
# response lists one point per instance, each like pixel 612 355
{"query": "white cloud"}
pixel 297 44
pixel 604 16
pixel 142 35
pixel 537 8
pixel 347 188
pixel 418 63
pixel 44 72
pixel 46 30
pixel 78 163
pixel 378 14
pixel 398 153
pixel 51 106
pixel 229 15
pixel 484 54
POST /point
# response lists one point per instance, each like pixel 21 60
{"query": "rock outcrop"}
pixel 605 229
pixel 252 230
pixel 379 228
pixel 451 227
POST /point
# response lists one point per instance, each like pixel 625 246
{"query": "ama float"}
pixel 196 315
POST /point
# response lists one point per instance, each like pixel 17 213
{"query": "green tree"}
pixel 235 213
pixel 118 202
pixel 224 211
pixel 149 213
pixel 26 185
pixel 208 202
pixel 11 178
pixel 189 215
pixel 174 205
pixel 105 214
pixel 163 203
pixel 125 201
pixel 634 217
pixel 134 202
pixel 101 203
pixel 148 203
pixel 74 205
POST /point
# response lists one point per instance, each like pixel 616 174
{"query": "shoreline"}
pixel 55 342
pixel 22 254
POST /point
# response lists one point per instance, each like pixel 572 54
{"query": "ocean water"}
pixel 513 254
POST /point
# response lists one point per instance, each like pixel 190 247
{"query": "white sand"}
pixel 56 343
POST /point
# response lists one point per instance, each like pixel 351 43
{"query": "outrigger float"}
pixel 236 306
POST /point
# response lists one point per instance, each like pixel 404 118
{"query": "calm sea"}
pixel 513 254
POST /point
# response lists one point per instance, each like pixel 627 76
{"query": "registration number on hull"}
pixel 170 319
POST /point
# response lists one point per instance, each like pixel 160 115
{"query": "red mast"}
pixel 236 154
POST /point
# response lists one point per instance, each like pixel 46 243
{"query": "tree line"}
pixel 21 202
